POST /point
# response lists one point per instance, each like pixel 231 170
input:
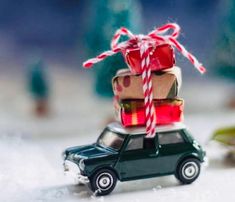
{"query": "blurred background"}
pixel 48 101
pixel 57 28
pixel 65 33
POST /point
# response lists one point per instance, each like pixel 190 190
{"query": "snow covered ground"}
pixel 30 148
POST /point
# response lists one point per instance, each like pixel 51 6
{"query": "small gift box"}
pixel 132 112
pixel 166 84
pixel 161 57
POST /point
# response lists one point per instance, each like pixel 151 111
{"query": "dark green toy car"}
pixel 125 154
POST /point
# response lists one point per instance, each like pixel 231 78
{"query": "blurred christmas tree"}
pixel 38 86
pixel 106 17
pixel 224 60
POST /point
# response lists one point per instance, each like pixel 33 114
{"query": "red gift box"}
pixel 132 112
pixel 161 57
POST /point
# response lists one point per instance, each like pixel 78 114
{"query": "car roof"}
pixel 117 127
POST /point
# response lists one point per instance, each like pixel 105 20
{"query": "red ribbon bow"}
pixel 154 38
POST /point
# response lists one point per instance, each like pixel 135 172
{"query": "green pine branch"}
pixel 225 136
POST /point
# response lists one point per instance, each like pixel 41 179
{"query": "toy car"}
pixel 125 154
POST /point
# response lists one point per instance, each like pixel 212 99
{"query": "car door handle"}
pixel 154 154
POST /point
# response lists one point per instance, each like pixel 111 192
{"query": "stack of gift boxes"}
pixel 153 81
pixel 166 80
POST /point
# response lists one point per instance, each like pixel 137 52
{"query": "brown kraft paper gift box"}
pixel 166 84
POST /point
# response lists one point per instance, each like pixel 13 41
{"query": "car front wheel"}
pixel 103 182
pixel 188 171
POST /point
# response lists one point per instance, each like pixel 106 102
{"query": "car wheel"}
pixel 103 182
pixel 188 171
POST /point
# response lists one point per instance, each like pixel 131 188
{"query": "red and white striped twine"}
pixel 154 38
pixel 147 89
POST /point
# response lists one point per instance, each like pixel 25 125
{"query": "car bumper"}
pixel 71 169
pixel 205 162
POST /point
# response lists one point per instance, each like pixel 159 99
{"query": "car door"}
pixel 137 159
pixel 171 146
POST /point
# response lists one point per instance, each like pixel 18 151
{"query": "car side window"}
pixel 170 138
pixel 149 143
pixel 135 143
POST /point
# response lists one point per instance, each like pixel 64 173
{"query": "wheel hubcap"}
pixel 190 170
pixel 104 181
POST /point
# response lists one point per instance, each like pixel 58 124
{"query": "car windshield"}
pixel 110 139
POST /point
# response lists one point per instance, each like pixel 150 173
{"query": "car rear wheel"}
pixel 188 171
pixel 103 182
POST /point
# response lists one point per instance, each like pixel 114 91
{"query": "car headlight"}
pixel 76 156
pixel 196 145
pixel 81 164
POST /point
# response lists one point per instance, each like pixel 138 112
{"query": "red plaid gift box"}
pixel 132 112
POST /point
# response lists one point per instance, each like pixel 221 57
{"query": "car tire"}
pixel 103 182
pixel 188 170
